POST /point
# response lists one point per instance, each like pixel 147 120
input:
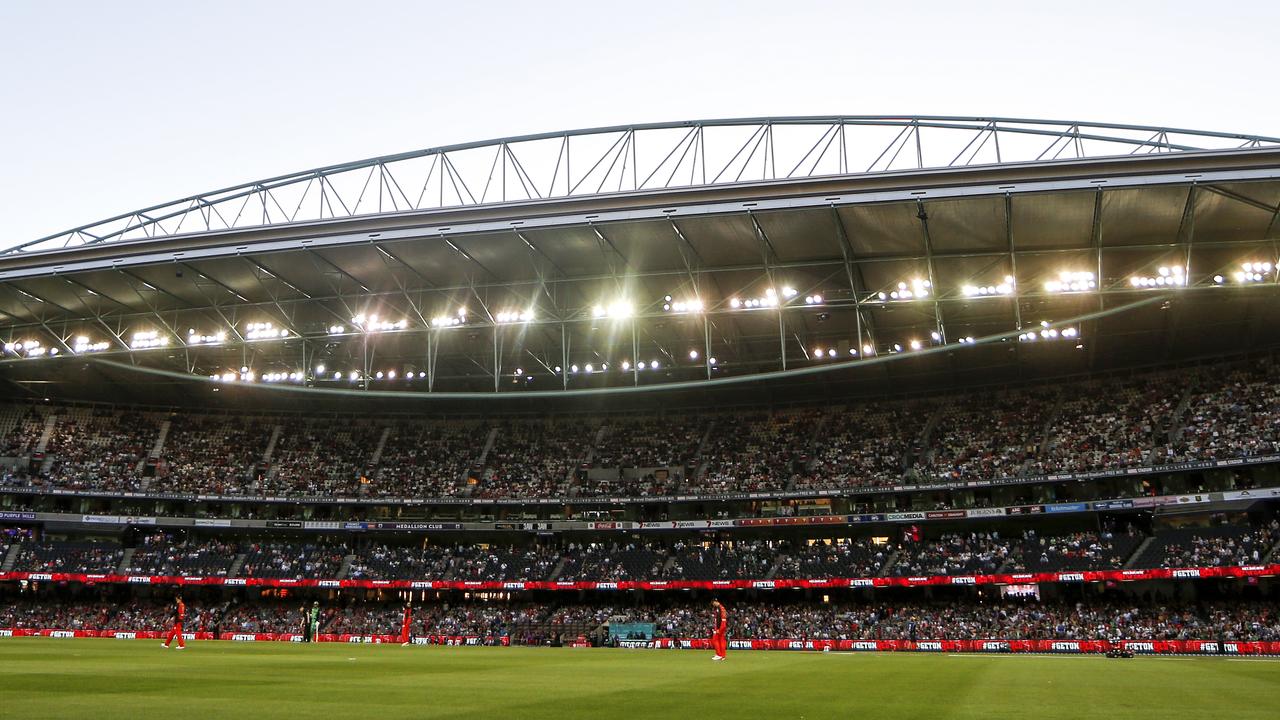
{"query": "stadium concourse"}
pixel 1023 398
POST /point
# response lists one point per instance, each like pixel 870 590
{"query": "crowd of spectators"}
pixel 954 554
pixel 321 458
pixel 1104 550
pixel 27 429
pixel 850 558
pixel 1110 423
pixel 214 454
pixel 867 444
pixel 102 449
pixel 1211 547
pixel 286 560
pixel 161 554
pixel 649 442
pixel 987 436
pixel 538 623
pixel 1233 415
pixel 535 459
pixel 428 459
pixel 68 557
pixel 753 452
pixel 613 562
pixel 971 553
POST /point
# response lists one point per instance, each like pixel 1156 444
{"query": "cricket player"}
pixel 406 626
pixel 720 633
pixel 179 614
pixel 313 621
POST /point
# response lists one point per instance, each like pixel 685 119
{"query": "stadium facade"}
pixel 834 356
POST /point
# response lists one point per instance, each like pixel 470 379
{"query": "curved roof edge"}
pixel 631 158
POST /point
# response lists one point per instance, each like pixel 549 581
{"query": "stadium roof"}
pixel 755 242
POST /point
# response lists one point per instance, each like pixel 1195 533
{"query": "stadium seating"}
pixel 1210 547
pixel 160 555
pixel 80 557
pixel 1078 551
pixel 1108 423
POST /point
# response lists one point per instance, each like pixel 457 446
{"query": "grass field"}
pixel 47 678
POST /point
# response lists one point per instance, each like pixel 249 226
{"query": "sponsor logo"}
pixel 62 634
pixel 740 644
pixel 140 579
pixel 295 638
pixel 327 583
pixel 513 585
pixel 864 645
pixel 420 584
pixel 1064 646
pixel 6 633
pixel 126 636
pixel 421 641
pixel 862 582
pixel 1071 577
pixel 763 584
pixel 917 580
pixel 1141 646
pixel 244 637
pixel 929 646
pixel 1209 647
pixel 360 639
pixel 1230 648
pixel 1192 573
pixel 606 586
pixel 39 576
pixel 995 646
pixel 637 643
pixel 964 580
pixel 233 581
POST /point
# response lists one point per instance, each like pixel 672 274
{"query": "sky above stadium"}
pixel 109 107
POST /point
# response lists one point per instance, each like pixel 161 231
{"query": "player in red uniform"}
pixel 179 614
pixel 720 635
pixel 407 625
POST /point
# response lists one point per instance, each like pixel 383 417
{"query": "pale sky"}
pixel 111 106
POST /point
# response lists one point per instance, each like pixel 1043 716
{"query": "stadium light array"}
pixel 1049 333
pixel 768 300
pixel 84 345
pixel 444 321
pixel 616 310
pixel 282 377
pixel 1166 276
pixel 693 305
pixel 372 323
pixel 814 299
pixel 914 289
pixel 147 339
pixel 514 316
pixel 29 348
pixel 264 331
pixel 1072 281
pixel 196 338
pixel 1252 272
pixel 1006 287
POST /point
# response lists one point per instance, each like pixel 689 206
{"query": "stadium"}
pixel 929 404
